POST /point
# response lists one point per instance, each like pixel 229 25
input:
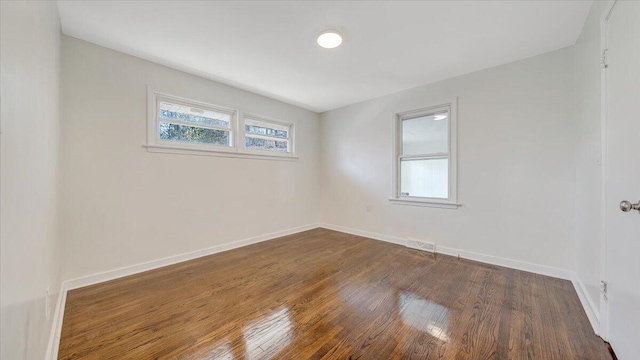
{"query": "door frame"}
pixel 604 306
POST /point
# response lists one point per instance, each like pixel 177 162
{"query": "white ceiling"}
pixel 269 47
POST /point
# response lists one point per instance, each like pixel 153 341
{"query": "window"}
pixel 180 125
pixel 425 156
pixel 267 135
pixel 189 124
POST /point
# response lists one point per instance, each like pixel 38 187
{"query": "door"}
pixel 622 178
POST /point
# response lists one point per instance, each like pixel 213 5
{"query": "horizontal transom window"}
pixel 180 125
pixel 266 135
pixel 179 121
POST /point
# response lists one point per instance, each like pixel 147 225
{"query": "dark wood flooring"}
pixel 322 294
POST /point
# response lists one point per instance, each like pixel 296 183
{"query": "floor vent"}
pixel 421 245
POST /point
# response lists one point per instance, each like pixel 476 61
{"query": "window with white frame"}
pixel 425 161
pixel 190 124
pixel 182 125
pixel 267 135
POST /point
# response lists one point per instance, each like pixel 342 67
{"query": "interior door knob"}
pixel 627 206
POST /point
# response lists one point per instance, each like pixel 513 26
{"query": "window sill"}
pixel 425 203
pixel 167 149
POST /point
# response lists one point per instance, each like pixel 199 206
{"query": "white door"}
pixel 622 178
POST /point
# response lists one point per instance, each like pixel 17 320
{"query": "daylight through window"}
pixel 193 123
pixel 266 135
pixel 425 162
pixel 182 125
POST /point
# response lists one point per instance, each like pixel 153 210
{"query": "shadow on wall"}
pixel 25 330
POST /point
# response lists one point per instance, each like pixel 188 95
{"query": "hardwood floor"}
pixel 322 294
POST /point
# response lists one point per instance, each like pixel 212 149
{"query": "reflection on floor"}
pixel 267 336
pixel 423 315
pixel 322 294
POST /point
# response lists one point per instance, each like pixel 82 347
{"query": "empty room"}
pixel 262 180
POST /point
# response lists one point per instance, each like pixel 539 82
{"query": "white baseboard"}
pixel 56 326
pixel 509 263
pixel 585 300
pixel 489 259
pixel 593 313
pixel 387 238
pixel 54 338
pixel 170 260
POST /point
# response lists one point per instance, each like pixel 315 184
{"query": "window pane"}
pixel 265 128
pixel 424 178
pixel 192 134
pixel 426 134
pixel 266 144
pixel 171 111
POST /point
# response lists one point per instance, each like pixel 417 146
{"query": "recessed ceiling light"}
pixel 330 39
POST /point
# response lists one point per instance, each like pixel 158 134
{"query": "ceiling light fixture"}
pixel 330 39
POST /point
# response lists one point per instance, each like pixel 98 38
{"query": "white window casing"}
pixel 169 112
pixel 261 122
pixel 425 172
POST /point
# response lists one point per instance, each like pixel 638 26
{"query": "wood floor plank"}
pixel 322 294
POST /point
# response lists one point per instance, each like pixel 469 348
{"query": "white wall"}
pixel 123 205
pixel 30 70
pixel 529 179
pixel 516 165
pixel 588 204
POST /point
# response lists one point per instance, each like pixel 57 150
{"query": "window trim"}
pixel 236 128
pixel 452 201
pixel 290 137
